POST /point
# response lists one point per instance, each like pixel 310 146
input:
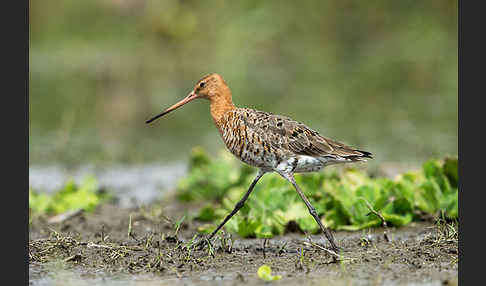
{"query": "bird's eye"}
pixel 202 84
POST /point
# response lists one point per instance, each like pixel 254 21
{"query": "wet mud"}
pixel 151 246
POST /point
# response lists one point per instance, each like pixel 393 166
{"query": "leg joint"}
pixel 312 211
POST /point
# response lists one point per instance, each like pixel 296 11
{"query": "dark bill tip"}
pixel 157 116
pixel 186 99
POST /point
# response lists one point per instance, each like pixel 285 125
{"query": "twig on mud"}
pixel 91 244
pixel 116 251
pixel 129 226
pixel 383 221
pixel 264 246
pixel 311 243
pixel 75 257
pixel 103 233
pixel 323 248
pixel 65 216
pixel 336 257
pixel 130 229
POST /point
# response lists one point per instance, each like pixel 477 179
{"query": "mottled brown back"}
pixel 281 136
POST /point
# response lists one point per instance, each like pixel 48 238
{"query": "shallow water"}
pixel 81 278
pixel 135 185
pixel 132 185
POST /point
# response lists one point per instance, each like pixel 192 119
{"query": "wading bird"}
pixel 270 142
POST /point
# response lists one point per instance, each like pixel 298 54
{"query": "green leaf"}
pixel 70 197
pixel 451 171
pixel 247 227
pixel 265 273
pixel 434 171
pixel 308 224
pixel 263 231
pixel 39 202
pixel 207 213
pixel 450 204
pixel 397 220
pixel 431 194
pixel 339 198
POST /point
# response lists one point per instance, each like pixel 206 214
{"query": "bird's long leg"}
pixel 312 210
pixel 238 206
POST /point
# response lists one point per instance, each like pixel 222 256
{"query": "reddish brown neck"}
pixel 221 103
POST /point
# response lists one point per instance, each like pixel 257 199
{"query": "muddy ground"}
pixel 101 248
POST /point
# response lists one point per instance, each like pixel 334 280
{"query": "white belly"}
pixel 302 164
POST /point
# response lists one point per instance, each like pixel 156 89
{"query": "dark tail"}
pixel 362 156
pixel 366 154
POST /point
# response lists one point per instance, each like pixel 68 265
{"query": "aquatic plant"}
pixel 71 196
pixel 343 198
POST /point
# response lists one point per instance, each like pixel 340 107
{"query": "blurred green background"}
pixel 378 75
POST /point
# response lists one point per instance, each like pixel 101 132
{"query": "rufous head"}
pixel 211 87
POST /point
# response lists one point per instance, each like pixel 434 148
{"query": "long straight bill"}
pixel 186 99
